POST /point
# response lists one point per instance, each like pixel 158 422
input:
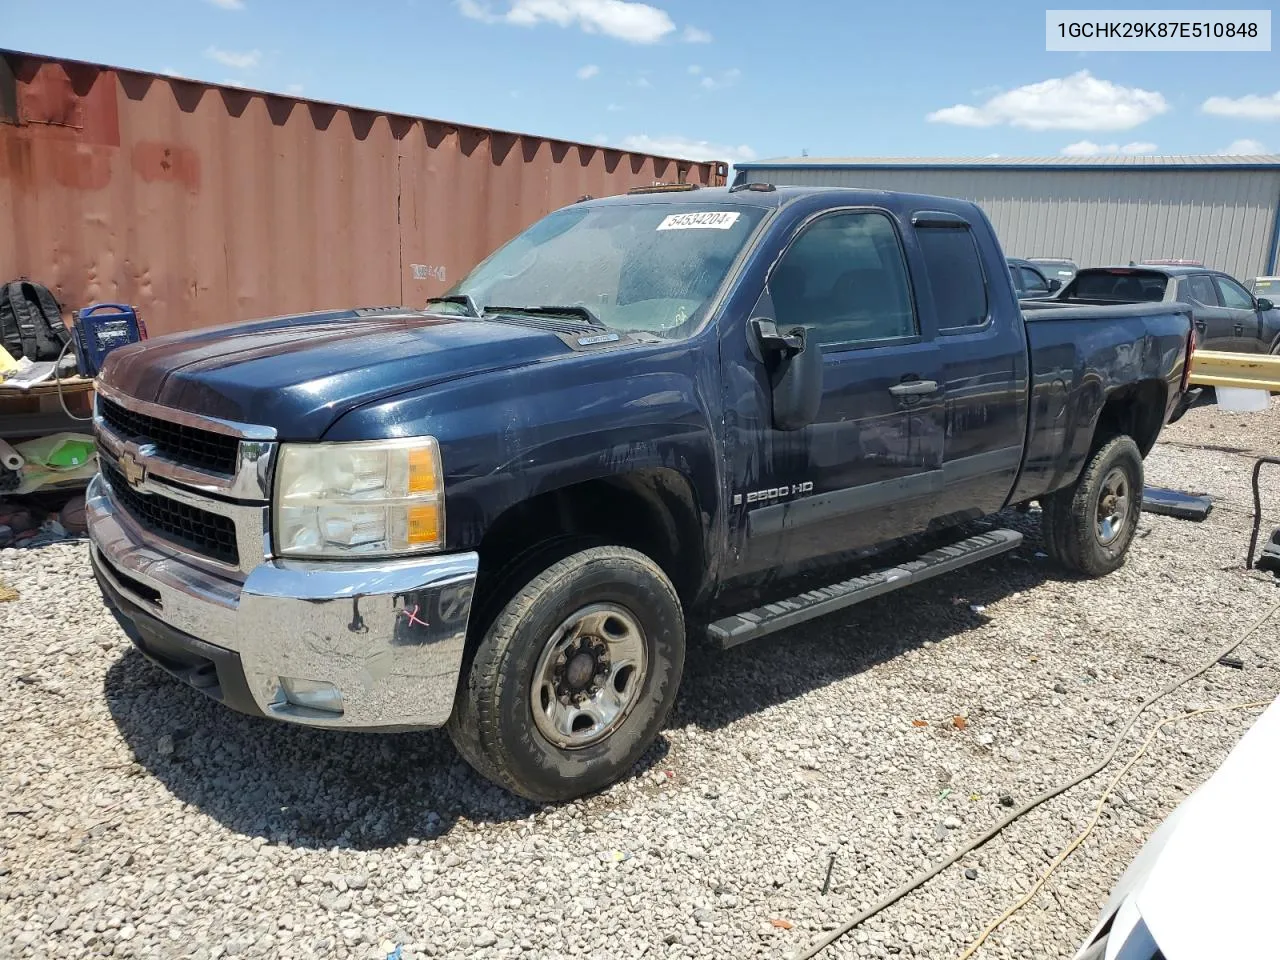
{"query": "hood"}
pixel 299 374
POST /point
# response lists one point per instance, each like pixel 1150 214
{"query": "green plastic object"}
pixel 59 451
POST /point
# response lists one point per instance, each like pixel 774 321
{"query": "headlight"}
pixel 368 498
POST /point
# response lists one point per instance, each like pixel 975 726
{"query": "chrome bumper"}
pixel 388 634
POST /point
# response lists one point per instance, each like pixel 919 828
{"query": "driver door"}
pixel 869 468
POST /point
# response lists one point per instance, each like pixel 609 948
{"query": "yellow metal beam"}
pixel 1250 371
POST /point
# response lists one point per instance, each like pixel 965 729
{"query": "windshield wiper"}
pixel 462 299
pixel 572 310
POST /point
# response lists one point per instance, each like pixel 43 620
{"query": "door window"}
pixel 1034 284
pixel 955 275
pixel 1233 295
pixel 845 277
pixel 1200 289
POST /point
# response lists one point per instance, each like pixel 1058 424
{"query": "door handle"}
pixel 1239 329
pixel 914 388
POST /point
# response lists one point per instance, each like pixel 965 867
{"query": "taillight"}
pixel 1191 351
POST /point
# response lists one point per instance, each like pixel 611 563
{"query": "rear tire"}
pixel 595 645
pixel 1088 527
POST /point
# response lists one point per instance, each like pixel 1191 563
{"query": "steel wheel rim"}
pixel 1114 503
pixel 589 676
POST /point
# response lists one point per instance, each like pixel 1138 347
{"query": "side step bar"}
pixel 741 627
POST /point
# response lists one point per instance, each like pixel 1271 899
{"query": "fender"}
pixel 510 436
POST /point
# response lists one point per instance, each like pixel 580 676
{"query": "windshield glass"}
pixel 649 267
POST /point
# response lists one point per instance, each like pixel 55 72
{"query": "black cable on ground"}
pixel 923 878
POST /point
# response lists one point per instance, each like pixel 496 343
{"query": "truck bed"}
pixel 1077 356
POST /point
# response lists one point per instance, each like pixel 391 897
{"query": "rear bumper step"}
pixel 741 627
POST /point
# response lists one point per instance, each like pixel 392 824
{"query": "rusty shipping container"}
pixel 205 204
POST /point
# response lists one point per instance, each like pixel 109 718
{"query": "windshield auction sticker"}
pixel 708 220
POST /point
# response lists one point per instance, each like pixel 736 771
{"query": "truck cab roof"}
pixel 770 196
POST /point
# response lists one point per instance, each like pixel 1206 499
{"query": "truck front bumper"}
pixel 374 645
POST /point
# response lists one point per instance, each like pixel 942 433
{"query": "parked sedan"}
pixel 1268 287
pixel 1226 315
pixel 1029 283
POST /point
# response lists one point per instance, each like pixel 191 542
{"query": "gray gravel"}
pixel 141 820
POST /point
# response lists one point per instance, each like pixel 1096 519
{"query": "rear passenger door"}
pixel 1212 323
pixel 984 362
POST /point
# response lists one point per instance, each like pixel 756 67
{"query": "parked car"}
pixel 1268 287
pixel 1029 283
pixel 503 513
pixel 1226 315
pixel 1203 885
pixel 1060 268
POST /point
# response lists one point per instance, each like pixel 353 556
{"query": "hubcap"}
pixel 589 676
pixel 1113 506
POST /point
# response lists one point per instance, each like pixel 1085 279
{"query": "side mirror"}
pixel 795 373
pixel 1264 304
pixel 1055 285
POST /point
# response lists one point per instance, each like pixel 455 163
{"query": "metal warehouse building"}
pixel 1223 211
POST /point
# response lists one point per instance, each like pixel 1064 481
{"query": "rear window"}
pixel 1129 286
pixel 955 275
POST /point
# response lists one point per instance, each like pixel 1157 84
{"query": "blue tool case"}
pixel 99 329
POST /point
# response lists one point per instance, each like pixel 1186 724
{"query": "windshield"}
pixel 649 267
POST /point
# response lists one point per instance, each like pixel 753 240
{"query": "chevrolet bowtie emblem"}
pixel 134 472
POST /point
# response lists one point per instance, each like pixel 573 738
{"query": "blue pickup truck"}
pixel 633 424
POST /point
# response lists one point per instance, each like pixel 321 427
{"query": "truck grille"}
pixel 208 534
pixel 189 446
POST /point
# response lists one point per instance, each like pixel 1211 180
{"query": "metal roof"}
pixel 1199 162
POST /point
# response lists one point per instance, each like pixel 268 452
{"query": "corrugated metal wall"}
pixel 207 205
pixel 1224 218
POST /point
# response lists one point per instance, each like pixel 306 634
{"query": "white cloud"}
pixel 295 88
pixel 228 4
pixel 1242 148
pixel 685 149
pixel 693 35
pixel 1077 102
pixel 1249 107
pixel 640 82
pixel 725 79
pixel 1087 148
pixel 587 72
pixel 695 69
pixel 613 108
pixel 230 58
pixel 623 19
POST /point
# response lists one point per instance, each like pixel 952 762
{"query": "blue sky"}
pixel 752 79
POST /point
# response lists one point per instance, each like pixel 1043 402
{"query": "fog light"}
pixel 312 694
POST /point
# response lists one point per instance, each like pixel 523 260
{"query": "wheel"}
pixel 574 677
pixel 1088 526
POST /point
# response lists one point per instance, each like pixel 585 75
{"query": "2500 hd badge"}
pixel 774 493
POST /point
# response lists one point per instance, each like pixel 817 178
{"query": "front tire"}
pixel 1088 527
pixel 574 677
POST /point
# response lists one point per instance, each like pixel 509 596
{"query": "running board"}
pixel 741 627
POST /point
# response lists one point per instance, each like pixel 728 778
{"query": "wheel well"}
pixel 653 511
pixel 1135 410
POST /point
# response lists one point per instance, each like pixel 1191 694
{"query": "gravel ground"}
pixel 141 820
